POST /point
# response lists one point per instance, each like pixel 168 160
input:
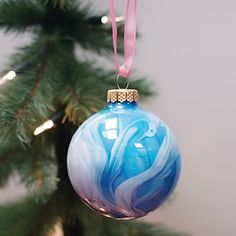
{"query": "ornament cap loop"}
pixel 122 95
pixel 118 85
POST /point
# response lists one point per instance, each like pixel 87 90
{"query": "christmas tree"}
pixel 47 94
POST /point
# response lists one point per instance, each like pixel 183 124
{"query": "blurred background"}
pixel 187 49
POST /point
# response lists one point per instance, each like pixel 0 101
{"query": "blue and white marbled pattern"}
pixel 123 162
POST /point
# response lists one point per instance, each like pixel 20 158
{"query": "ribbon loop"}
pixel 124 70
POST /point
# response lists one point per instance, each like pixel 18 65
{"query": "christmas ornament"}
pixel 123 161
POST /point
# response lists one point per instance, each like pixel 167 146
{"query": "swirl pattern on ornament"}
pixel 123 162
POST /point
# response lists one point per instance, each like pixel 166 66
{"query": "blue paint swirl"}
pixel 123 162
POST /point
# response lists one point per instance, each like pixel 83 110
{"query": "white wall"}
pixel 188 48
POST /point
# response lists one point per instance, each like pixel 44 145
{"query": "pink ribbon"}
pixel 129 37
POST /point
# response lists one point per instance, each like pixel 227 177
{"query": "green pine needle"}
pixel 37 168
pixel 18 15
pixel 27 218
pixel 28 100
pixel 62 4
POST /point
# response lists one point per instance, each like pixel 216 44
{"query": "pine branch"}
pixel 62 4
pixel 38 168
pixel 45 217
pixel 18 15
pixel 63 17
pixel 74 25
pixel 27 218
pixel 83 101
pixel 39 77
pixel 96 38
pixel 28 101
pixel 8 160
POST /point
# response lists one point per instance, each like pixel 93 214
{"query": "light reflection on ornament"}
pixel 110 129
pixel 138 145
pixel 111 123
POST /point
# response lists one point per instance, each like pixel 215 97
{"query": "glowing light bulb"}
pixel 105 19
pixel 9 76
pixel 45 126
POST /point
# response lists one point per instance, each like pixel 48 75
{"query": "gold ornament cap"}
pixel 122 95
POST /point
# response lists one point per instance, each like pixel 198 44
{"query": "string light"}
pixel 49 123
pixel 45 126
pixel 106 19
pixel 16 70
pixel 103 20
pixel 9 76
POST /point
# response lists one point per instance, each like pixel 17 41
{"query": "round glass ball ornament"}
pixel 123 162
